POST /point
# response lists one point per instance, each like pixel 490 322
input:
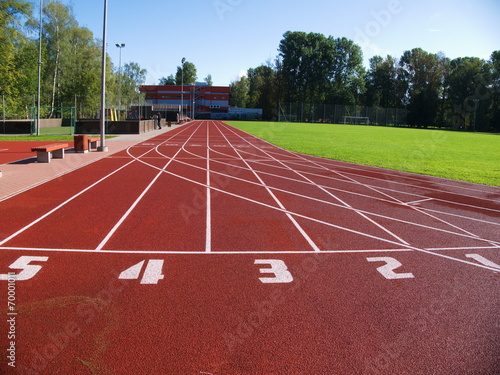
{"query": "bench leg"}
pixel 58 154
pixel 92 145
pixel 43 157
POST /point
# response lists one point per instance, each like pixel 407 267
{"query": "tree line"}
pixel 311 68
pixel 71 62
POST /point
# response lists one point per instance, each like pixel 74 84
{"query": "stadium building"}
pixel 197 101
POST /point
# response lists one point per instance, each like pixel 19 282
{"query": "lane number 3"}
pixel 278 269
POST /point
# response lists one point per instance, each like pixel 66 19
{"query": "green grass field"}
pixel 473 157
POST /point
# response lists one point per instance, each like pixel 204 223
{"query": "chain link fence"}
pixel 342 114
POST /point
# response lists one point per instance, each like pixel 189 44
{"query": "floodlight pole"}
pixel 120 46
pixel 103 147
pixel 182 88
pixel 39 70
pixel 3 110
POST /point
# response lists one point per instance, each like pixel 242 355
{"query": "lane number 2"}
pixel 278 269
pixel 387 270
pixel 27 270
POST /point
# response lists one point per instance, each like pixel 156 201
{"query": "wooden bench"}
pixel 43 153
pixel 93 142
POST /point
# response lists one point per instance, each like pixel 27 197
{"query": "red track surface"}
pixel 208 251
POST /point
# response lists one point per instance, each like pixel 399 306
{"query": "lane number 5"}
pixel 28 270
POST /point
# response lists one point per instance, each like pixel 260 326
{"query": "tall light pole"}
pixel 120 46
pixel 103 147
pixel 39 71
pixel 182 87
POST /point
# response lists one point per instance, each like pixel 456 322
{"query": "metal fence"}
pixel 342 114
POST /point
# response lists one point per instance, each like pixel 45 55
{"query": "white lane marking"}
pixel 236 252
pixel 391 200
pixel 330 163
pixel 419 201
pixel 337 205
pixel 69 200
pixel 12 236
pixel 387 270
pixel 352 181
pixel 483 260
pixel 290 217
pixel 208 232
pixel 398 238
pixel 401 202
pixel 325 223
pixel 134 205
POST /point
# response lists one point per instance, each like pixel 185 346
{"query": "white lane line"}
pixel 12 236
pixel 208 236
pixel 483 260
pixel 398 238
pixel 390 200
pixel 357 169
pixel 305 158
pixel 234 252
pixel 69 200
pixel 278 202
pixel 334 204
pixel 399 201
pixel 378 189
pixel 132 207
pixel 419 201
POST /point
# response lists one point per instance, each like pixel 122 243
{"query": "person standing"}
pixel 158 118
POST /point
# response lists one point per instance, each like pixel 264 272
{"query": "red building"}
pixel 197 100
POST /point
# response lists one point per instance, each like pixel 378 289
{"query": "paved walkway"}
pixel 20 176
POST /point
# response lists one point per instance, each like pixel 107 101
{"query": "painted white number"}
pixel 278 269
pixel 388 269
pixel 28 271
pixel 482 260
pixel 152 273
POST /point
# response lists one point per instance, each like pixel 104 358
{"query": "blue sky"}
pixel 226 37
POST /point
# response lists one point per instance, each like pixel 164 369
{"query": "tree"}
pixel 239 92
pixel 305 65
pixel 494 66
pixel 424 74
pixel 186 73
pixel 348 72
pixel 168 81
pixel 59 23
pixel 132 77
pixel 382 82
pixel 262 90
pixel 11 42
pixel 465 87
pixel 208 80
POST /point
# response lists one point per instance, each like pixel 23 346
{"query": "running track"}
pixel 208 251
